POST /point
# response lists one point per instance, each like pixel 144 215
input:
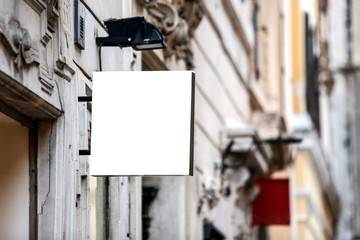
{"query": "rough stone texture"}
pixel 344 116
pixel 47 72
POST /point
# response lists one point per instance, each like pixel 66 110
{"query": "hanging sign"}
pixel 272 205
pixel 142 123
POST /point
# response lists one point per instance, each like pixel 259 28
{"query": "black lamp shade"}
pixel 125 27
pixel 132 32
pixel 148 37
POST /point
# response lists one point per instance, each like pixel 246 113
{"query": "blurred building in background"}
pixel 315 203
pixel 240 103
pixel 343 54
pixel 268 73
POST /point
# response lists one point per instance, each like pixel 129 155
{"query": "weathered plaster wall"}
pixel 342 118
pixel 49 81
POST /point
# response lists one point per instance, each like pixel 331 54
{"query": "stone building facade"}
pixel 240 51
pixel 343 31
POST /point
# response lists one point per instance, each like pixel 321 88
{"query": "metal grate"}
pixel 82 27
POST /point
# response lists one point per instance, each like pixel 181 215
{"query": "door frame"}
pixel 33 129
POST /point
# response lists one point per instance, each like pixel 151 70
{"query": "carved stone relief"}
pixel 192 12
pixel 177 21
pixel 52 12
pixel 19 43
pixel 64 68
pixel 55 30
pixel 48 24
pixel 49 17
pixel 65 16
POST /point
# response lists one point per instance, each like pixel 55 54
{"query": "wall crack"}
pixel 49 188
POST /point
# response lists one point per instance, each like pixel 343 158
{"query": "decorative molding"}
pixel 177 21
pixel 24 100
pixel 25 51
pixel 192 12
pixel 49 14
pixel 52 12
pixel 38 5
pixel 19 43
pixel 63 67
pixel 49 17
pixel 58 32
pixel 65 11
pixel 46 35
pixel 64 70
pixel 325 76
pixel 47 85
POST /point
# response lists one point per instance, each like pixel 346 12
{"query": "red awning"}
pixel 272 205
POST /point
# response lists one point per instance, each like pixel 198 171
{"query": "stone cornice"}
pixel 19 97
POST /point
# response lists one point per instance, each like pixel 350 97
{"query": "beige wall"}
pixel 313 220
pixel 278 232
pixel 14 179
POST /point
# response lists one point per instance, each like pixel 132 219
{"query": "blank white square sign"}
pixel 142 123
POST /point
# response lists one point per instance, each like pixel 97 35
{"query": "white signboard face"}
pixel 142 123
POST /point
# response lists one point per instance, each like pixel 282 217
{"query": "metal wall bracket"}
pixel 85 99
pixel 84 152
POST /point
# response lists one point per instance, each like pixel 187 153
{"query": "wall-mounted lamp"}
pixel 272 141
pixel 243 140
pixel 243 144
pixel 133 32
